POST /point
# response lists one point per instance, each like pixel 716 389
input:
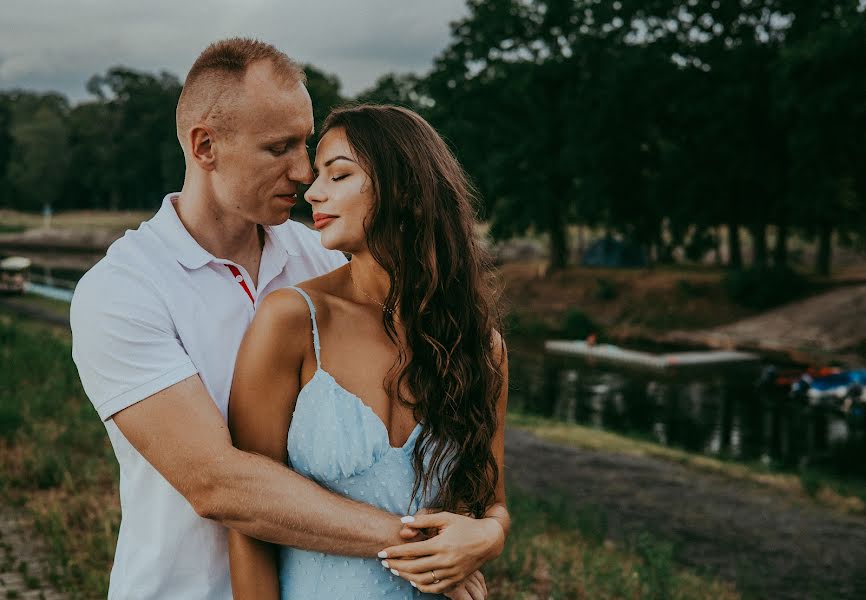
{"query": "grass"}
pixel 557 552
pixel 30 301
pixel 846 495
pixel 55 459
pixel 57 465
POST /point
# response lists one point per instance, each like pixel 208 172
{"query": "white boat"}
pixel 14 274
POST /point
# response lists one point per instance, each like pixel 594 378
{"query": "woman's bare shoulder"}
pixel 326 290
pixel 281 314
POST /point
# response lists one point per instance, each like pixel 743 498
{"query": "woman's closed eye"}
pixel 339 177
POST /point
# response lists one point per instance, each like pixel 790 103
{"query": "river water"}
pixel 722 414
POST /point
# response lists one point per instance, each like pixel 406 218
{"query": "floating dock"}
pixel 611 355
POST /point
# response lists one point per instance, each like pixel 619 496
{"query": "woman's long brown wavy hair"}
pixel 421 230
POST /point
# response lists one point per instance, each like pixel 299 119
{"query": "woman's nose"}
pixel 314 193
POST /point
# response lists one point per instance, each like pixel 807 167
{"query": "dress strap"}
pixel 316 346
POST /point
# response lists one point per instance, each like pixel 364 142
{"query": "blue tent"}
pixel 610 252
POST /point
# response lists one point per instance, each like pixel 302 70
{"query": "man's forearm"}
pixel 266 500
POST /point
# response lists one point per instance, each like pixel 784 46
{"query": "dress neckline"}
pixel 368 409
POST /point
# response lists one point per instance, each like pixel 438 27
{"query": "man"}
pixel 157 324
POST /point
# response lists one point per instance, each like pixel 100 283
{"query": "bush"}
pixel 764 287
pixel 525 326
pixel 576 325
pixel 656 571
pixel 688 289
pixel 605 289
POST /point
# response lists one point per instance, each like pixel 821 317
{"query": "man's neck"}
pixel 223 235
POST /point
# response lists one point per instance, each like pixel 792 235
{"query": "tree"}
pixel 91 181
pixel 401 90
pixel 507 93
pixel 5 146
pixel 39 158
pixel 144 157
pixel 821 87
pixel 324 91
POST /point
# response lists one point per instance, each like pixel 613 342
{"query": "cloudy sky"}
pixel 59 44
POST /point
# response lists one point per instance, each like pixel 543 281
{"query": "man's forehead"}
pixel 277 105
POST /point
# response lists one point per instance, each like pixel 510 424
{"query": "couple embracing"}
pixel 289 424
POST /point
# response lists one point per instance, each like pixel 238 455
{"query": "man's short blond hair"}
pixel 212 86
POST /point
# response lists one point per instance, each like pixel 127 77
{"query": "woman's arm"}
pixel 263 394
pixel 463 545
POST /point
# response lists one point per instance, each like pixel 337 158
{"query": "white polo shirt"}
pixel 156 310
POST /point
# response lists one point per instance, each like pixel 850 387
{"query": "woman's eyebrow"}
pixel 331 161
pixel 336 158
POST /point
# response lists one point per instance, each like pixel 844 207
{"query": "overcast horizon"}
pixel 45 48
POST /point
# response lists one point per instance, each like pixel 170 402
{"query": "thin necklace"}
pixel 386 309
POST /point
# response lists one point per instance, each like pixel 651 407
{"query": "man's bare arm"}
pixel 182 434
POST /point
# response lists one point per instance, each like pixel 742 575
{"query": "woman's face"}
pixel 341 195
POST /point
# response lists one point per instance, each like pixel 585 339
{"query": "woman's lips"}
pixel 321 220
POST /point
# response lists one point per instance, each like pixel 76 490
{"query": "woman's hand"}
pixel 461 547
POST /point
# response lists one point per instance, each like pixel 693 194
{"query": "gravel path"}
pixel 773 546
pixel 22 567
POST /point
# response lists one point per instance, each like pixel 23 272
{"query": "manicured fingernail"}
pixel 407 519
pixel 383 554
pixel 414 585
pixel 385 564
pixel 395 571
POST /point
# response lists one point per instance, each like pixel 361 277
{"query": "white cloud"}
pixel 56 44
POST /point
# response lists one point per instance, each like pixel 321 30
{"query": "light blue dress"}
pixel 338 441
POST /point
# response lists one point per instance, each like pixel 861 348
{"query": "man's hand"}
pixel 461 547
pixel 472 588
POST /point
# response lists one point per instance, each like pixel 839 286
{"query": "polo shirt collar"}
pixel 189 253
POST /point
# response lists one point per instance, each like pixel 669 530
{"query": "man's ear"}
pixel 201 147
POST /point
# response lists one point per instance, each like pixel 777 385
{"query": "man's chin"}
pixel 276 219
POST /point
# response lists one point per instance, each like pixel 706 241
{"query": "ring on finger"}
pixel 435 579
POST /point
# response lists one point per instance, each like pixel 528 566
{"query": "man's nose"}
pixel 300 170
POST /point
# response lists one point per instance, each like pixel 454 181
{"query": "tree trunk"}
pixel 717 248
pixel 759 240
pixel 114 200
pixel 780 252
pixel 664 252
pixel 557 223
pixel 558 240
pixel 825 250
pixel 735 252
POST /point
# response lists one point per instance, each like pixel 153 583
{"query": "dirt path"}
pixel 771 545
pixel 22 568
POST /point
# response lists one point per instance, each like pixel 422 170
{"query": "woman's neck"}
pixel 370 281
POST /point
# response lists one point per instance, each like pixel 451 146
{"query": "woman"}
pixel 397 397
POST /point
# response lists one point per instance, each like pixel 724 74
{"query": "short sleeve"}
pixel 124 342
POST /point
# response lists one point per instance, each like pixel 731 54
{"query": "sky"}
pixel 59 44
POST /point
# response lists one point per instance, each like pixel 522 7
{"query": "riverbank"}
pixel 681 306
pixel 56 466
